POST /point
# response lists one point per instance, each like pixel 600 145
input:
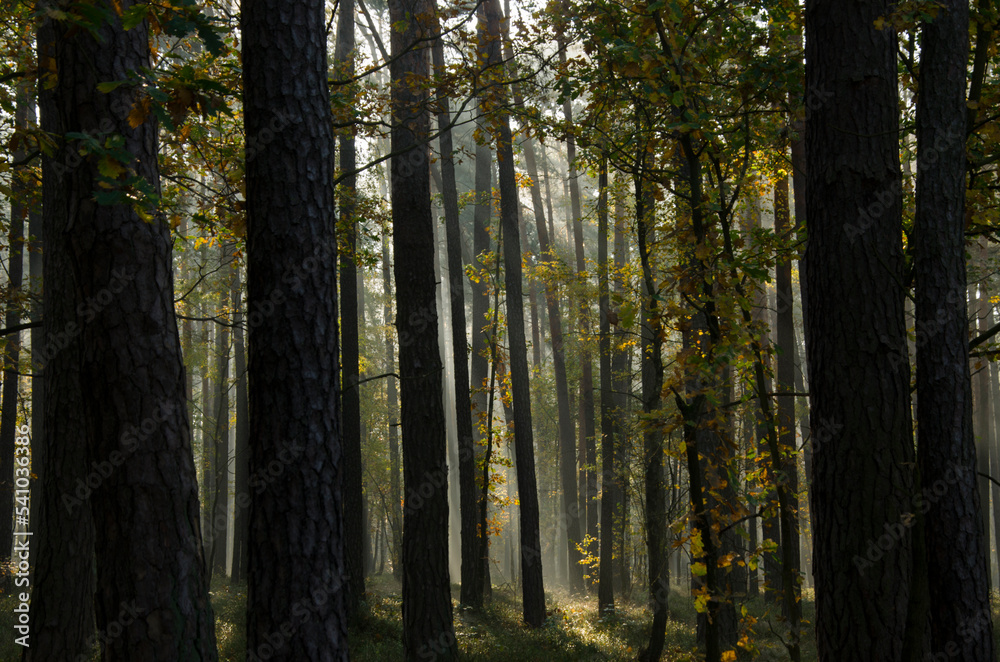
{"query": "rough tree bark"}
pixel 427 613
pixel 296 563
pixel 609 493
pixel 62 599
pixel 956 533
pixel 856 333
pixel 355 531
pixel 241 459
pixel 472 590
pixel 533 594
pixel 130 363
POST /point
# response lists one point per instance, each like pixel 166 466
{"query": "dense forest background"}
pixel 658 329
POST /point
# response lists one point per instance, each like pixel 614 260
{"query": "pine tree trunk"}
pixel 785 383
pixel 479 363
pixel 856 334
pixel 354 526
pixel 427 612
pixel 533 594
pixel 609 491
pixel 395 492
pixel 241 458
pixel 296 566
pixel 207 486
pixel 137 427
pixel 20 189
pixel 621 382
pixel 220 500
pixel 956 529
pixel 62 598
pixel 472 576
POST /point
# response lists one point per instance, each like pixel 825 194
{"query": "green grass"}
pixel 573 630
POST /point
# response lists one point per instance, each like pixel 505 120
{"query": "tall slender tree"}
pixel 354 523
pixel 955 532
pixel 532 589
pixel 296 564
pixel 472 590
pixel 609 492
pixel 19 210
pixel 856 333
pixel 241 460
pixel 428 630
pixel 62 599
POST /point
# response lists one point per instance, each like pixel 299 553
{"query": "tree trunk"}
pixel 983 433
pixel 785 404
pixel 856 335
pixel 994 455
pixel 136 427
pixel 472 591
pixel 207 430
pixel 217 548
pixel 956 530
pixel 533 593
pixel 479 364
pixel 621 381
pixel 652 460
pixel 354 525
pixel 62 598
pixel 19 205
pixel 609 487
pixel 395 492
pixel 427 613
pixel 296 563
pixel 241 452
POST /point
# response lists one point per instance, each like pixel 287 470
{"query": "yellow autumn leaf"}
pixel 139 113
pixel 110 167
pixel 699 569
pixel 701 604
pixel 729 656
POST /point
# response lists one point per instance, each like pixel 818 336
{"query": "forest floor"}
pixel 574 630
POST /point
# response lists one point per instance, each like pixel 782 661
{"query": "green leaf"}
pixel 109 86
pixel 134 15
